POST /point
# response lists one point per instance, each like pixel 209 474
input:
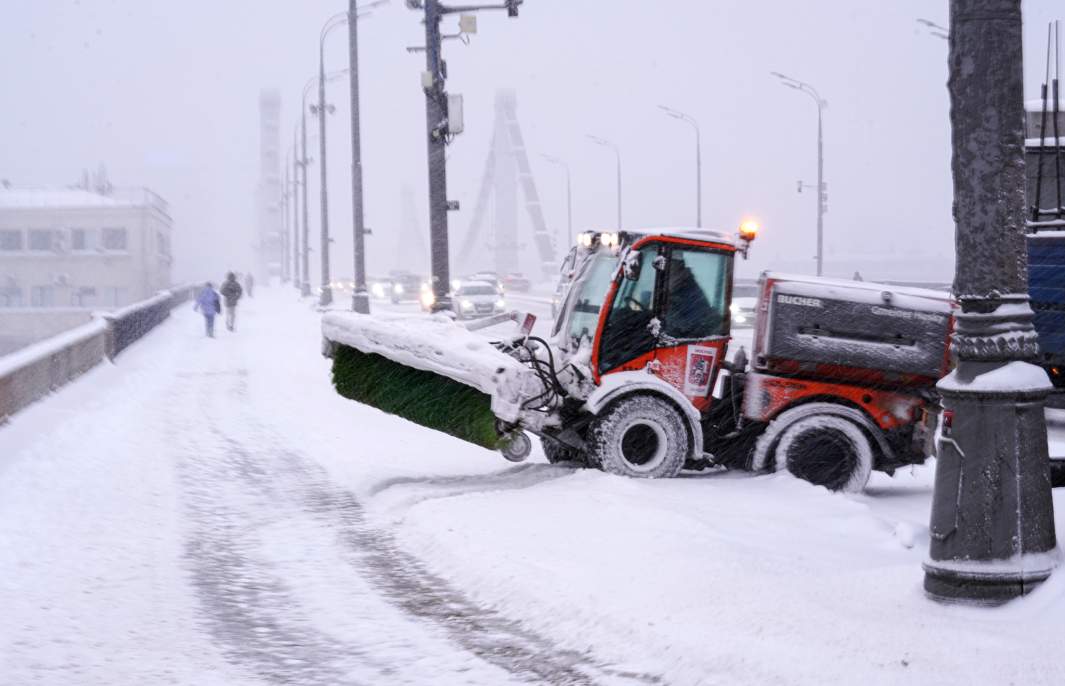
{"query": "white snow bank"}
pixel 438 345
pixel 1012 376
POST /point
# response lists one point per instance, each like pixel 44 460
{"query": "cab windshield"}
pixel 586 297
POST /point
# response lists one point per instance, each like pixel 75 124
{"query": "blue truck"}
pixel 1045 189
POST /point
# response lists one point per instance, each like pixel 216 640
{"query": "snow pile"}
pixel 438 345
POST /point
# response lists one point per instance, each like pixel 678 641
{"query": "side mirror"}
pixel 631 265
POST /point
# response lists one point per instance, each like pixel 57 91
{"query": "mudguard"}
pixel 620 384
pixel 786 418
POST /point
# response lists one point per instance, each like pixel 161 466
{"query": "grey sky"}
pixel 165 94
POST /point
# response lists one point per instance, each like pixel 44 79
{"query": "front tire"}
pixel 640 436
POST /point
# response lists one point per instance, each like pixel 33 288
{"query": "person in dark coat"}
pixel 208 304
pixel 231 291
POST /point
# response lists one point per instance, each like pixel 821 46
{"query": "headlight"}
pixel 734 308
pixel 500 303
pixel 378 290
pixel 609 240
pixel 456 284
pixel 398 289
pixel 739 318
pixel 466 305
pixel 428 299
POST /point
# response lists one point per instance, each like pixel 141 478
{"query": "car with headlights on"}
pixel 405 286
pixel 477 299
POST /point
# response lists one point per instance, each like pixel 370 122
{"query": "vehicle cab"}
pixel 653 301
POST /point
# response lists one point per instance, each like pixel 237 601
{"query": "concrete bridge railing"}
pixel 29 374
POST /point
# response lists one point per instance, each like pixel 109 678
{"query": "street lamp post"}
pixel 822 204
pixel 284 221
pixel 297 281
pixel 992 526
pixel 569 197
pixel 325 298
pixel 360 299
pixel 676 114
pixel 617 152
pixel 305 284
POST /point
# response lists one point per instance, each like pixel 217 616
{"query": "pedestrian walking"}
pixel 249 283
pixel 209 304
pixel 231 291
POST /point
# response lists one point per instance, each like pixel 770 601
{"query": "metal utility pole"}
pixel 360 299
pixel 438 129
pixel 569 201
pixel 992 523
pixel 677 114
pixel 822 191
pixel 617 152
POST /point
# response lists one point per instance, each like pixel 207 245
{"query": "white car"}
pixel 477 299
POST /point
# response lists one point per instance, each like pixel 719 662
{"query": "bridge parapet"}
pixel 29 374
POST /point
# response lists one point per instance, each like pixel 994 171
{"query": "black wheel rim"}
pixel 823 456
pixel 640 445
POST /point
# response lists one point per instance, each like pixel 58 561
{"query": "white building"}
pixel 69 247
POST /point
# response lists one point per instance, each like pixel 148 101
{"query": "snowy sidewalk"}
pixel 211 512
pixel 165 520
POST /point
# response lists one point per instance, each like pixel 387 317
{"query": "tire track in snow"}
pixel 247 607
pixel 254 620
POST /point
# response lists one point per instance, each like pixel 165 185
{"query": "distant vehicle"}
pixel 380 287
pixel 743 309
pixel 406 286
pixel 484 277
pixel 478 299
pixel 517 282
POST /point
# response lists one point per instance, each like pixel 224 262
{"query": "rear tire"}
pixel 640 436
pixel 826 450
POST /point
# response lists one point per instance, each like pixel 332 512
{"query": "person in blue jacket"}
pixel 209 304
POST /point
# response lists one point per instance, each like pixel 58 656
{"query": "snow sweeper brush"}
pixel 431 371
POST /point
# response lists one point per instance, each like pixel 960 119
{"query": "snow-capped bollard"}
pixel 992 528
pixel 992 523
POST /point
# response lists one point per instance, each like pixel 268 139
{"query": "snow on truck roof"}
pixel 871 292
pixel 693 233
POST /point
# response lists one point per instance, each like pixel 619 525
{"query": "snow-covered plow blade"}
pixel 428 370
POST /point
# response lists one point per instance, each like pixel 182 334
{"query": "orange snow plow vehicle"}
pixel 634 378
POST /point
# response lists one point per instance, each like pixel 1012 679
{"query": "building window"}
pixel 11 239
pixel 114 239
pixel 10 296
pixel 42 296
pixel 82 240
pixel 83 297
pixel 42 239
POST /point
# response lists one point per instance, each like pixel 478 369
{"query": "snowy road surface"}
pixel 210 512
